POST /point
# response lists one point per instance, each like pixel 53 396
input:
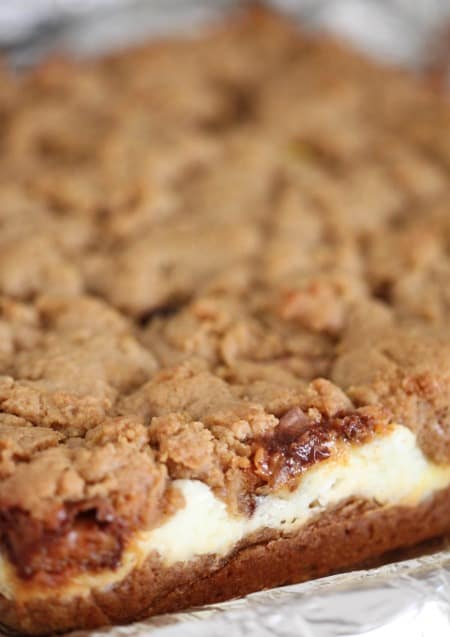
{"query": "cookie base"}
pixel 356 532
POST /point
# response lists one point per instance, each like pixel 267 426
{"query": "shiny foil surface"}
pixel 409 597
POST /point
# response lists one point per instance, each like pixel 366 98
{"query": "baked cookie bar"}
pixel 224 342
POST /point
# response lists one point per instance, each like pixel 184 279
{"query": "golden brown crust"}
pixel 198 239
pixel 339 539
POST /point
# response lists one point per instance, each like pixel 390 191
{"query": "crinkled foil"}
pixel 409 597
pixel 404 598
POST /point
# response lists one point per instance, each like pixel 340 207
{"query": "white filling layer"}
pixel 390 469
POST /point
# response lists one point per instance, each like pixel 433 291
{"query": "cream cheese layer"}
pixel 390 470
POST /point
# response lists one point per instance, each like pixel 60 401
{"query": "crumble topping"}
pixel 216 262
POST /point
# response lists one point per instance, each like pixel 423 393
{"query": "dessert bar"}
pixel 224 340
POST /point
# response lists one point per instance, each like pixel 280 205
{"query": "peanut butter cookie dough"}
pixel 224 342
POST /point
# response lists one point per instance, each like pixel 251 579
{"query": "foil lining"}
pixel 412 33
pixel 409 597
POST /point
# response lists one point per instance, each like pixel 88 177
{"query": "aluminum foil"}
pixel 404 598
pixel 409 597
pixel 407 32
